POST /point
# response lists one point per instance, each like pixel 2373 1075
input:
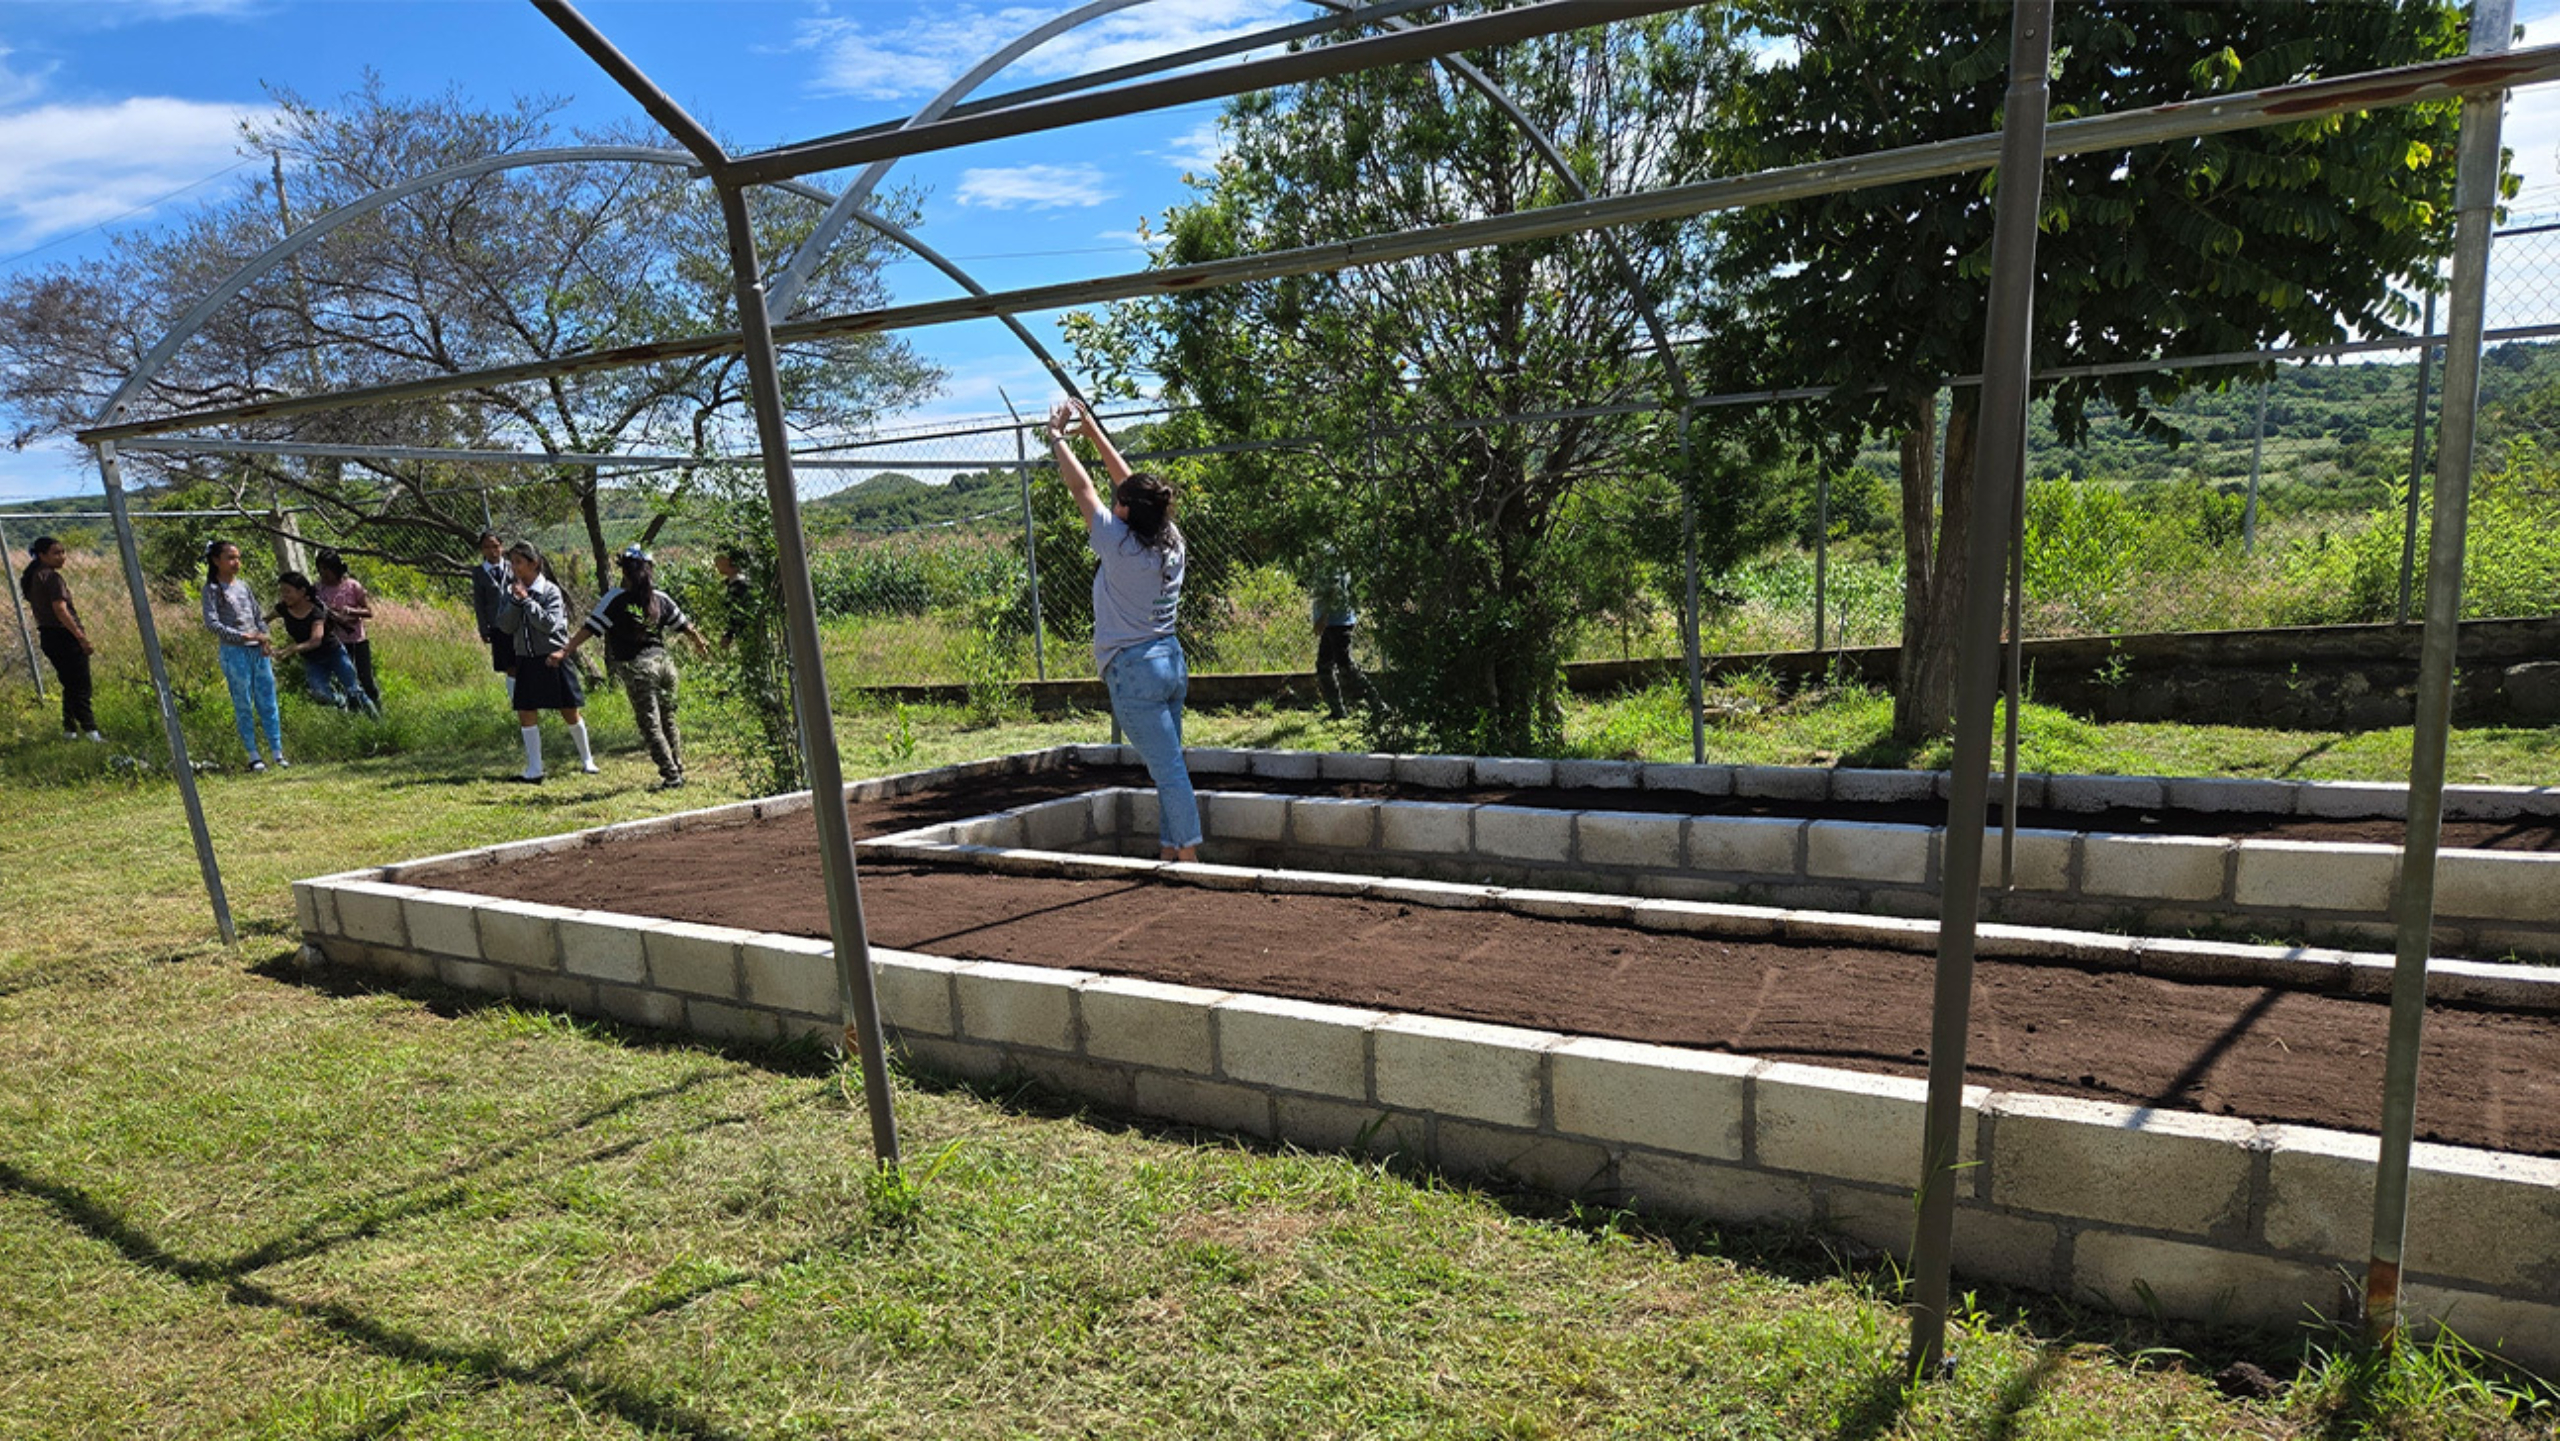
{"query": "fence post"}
pixel 25 638
pixel 1998 462
pixel 2013 680
pixel 149 631
pixel 2475 194
pixel 2417 463
pixel 1692 643
pixel 2257 456
pixel 1821 556
pixel 1030 538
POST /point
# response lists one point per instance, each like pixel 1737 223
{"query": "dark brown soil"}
pixel 2491 1079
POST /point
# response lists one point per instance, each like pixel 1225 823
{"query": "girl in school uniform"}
pixel 536 615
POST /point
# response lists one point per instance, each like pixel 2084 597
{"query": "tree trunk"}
pixel 594 515
pixel 1933 553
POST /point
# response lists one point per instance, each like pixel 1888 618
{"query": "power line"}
pixel 142 209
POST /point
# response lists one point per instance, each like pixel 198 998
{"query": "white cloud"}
pixel 1033 187
pixel 64 167
pixel 18 86
pixel 919 57
pixel 1195 151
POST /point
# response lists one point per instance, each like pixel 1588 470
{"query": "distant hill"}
pixel 892 500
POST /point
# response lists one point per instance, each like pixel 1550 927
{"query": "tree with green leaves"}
pixel 1465 531
pixel 2300 234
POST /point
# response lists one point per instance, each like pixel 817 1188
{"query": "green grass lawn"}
pixel 239 1202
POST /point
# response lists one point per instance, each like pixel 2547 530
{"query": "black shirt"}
pixel 632 627
pixel 300 627
pixel 42 588
pixel 742 600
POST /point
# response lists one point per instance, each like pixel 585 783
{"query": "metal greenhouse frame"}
pixel 953 119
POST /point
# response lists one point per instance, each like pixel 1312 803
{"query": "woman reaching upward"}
pixel 1137 591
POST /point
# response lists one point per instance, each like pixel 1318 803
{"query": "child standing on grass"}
pixel 349 608
pixel 634 618
pixel 328 672
pixel 536 616
pixel 489 581
pixel 58 631
pixel 248 667
pixel 1137 589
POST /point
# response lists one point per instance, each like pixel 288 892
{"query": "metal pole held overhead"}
pixel 1030 538
pixel 1999 462
pixel 2475 190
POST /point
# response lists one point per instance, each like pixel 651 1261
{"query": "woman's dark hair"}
pixel 1150 503
pixel 639 576
pixel 525 549
pixel 35 562
pixel 298 581
pixel 329 562
pixel 212 548
pixel 487 536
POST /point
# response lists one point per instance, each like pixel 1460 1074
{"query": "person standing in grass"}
pixel 328 672
pixel 634 619
pixel 535 617
pixel 60 635
pixel 1137 591
pixel 248 666
pixel 1334 617
pixel 489 583
pixel 349 608
pixel 738 595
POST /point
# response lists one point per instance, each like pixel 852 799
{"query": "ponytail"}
pixel 1150 504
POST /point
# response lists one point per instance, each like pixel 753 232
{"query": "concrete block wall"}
pixel 2204 1217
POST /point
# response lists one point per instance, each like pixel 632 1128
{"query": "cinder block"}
pixel 1322 1125
pixel 558 992
pixel 444 923
pixel 2232 795
pixel 791 973
pixel 1243 816
pixel 1216 878
pixel 915 992
pixel 1057 825
pixel 1341 766
pixel 2488 803
pixel 1141 819
pixel 639 1006
pixel 2165 868
pixel 1568 906
pixel 1424 828
pixel 592 944
pixel 2524 1333
pixel 1018 1005
pixel 1296 1045
pixel 1439 895
pixel 1005 830
pixel 1211 1104
pixel 2508 987
pixel 1103 755
pixel 2351 800
pixel 2105 793
pixel 1346 825
pixel 2185 1281
pixel 1436 772
pixel 1461 1068
pixel 734 1024
pixel 696 959
pixel 1883 787
pixel 369 911
pixel 1784 783
pixel 1287 765
pixel 1846 1125
pixel 960 1060
pixel 1707 918
pixel 1713 1191
pixel 477 977
pixel 2498 885
pixel 1989 1245
pixel 1549 1163
pixel 2043 860
pixel 1514 771
pixel 1148 1023
pixel 1659 1096
pixel 1628 838
pixel 1524 833
pixel 2121 1165
pixel 1839 928
pixel 1891 855
pixel 1693 779
pixel 306 909
pixel 2484 1216
pixel 1102 1084
pixel 1203 761
pixel 1286 882
pixel 1746 845
pixel 1599 775
pixel 2308 875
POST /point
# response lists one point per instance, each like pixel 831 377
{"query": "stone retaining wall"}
pixel 2195 1217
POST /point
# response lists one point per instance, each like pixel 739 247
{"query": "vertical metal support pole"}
pixel 2257 459
pixel 488 521
pixel 179 767
pixel 1030 538
pixel 18 603
pixel 1821 557
pixel 2475 190
pixel 2013 681
pixel 1691 642
pixel 1998 464
pixel 859 1002
pixel 2417 462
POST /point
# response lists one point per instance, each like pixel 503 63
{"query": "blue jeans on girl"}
pixel 251 677
pixel 1148 683
pixel 334 682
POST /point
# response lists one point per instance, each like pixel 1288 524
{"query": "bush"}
pixel 2510 565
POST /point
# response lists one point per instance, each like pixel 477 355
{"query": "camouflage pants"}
pixel 650 680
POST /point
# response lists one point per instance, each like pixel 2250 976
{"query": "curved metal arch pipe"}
pixel 188 325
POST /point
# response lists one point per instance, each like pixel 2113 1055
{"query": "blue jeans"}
pixel 1148 683
pixel 334 682
pixel 251 677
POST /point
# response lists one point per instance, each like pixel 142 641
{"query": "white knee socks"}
pixel 586 756
pixel 533 750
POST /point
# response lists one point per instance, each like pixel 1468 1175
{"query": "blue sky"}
pixel 111 109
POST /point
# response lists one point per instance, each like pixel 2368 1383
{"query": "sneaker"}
pixel 591 768
pixel 71 735
pixel 524 780
pixel 97 739
pixel 282 763
pixel 671 783
pixel 257 765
